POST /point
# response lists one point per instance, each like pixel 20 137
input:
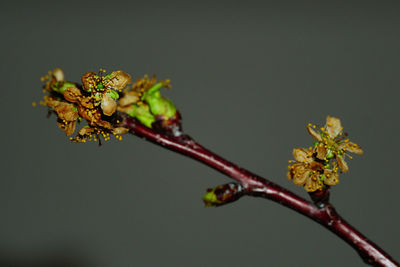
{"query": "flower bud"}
pixel 61 87
pixel 143 114
pixel 160 105
pixel 222 194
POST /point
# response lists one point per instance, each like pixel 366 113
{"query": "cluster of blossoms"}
pixel 98 99
pixel 318 167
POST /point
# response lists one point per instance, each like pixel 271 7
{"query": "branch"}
pixel 146 113
pixel 254 185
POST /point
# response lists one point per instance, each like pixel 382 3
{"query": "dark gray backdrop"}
pixel 247 77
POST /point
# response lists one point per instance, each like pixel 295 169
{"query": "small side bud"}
pixel 223 194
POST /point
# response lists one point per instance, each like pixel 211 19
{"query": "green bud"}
pixel 161 106
pixel 222 194
pixel 329 154
pixel 152 90
pixel 210 199
pixel 113 94
pixel 142 113
pixel 158 104
pixel 61 87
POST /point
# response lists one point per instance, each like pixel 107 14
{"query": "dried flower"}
pixel 332 143
pixel 318 166
pixel 95 102
pixel 310 173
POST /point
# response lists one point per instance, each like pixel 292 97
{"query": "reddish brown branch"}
pixel 255 185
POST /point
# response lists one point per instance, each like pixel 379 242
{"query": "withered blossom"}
pixel 98 99
pixel 95 102
pixel 332 143
pixel 311 174
pixel 317 167
pixel 67 114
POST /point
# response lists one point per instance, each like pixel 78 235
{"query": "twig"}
pixel 254 185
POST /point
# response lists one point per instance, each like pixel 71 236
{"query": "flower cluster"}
pixel 319 166
pixel 98 99
pixel 95 101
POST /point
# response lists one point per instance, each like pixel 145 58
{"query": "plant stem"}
pixel 255 185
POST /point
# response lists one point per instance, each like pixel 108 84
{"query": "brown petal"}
pixel 354 148
pixel 119 79
pixel 331 178
pixel 52 102
pixel 104 124
pixel 301 155
pixel 91 115
pixel 289 174
pixel 68 128
pixel 120 130
pixel 342 163
pixel 313 133
pixel 321 151
pixel 87 102
pixel 129 98
pixel 72 94
pixel 86 131
pixel 58 74
pixel 300 178
pixel 127 109
pixel 293 169
pixel 108 105
pixel 333 126
pixel 66 111
pixel 313 183
pixel 88 80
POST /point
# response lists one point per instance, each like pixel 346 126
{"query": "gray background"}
pixel 247 77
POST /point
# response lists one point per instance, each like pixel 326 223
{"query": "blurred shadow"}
pixel 53 259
